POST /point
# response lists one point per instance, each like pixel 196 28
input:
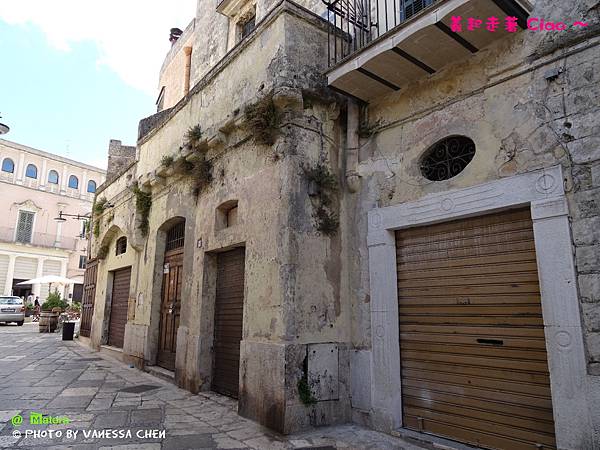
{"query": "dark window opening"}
pixel 175 236
pixel 247 26
pixel 31 171
pixel 447 158
pixel 8 165
pixel 53 177
pixel 73 182
pixel 82 261
pixel 121 246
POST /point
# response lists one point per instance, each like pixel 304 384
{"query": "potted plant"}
pixel 51 309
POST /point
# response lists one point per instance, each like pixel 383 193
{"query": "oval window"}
pixel 447 158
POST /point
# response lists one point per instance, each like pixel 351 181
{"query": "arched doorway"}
pixel 170 303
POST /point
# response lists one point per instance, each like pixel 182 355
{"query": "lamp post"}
pixel 4 128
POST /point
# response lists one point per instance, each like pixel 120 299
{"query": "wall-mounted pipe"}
pixel 188 68
pixel 352 146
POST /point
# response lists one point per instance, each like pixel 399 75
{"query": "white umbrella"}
pixel 50 279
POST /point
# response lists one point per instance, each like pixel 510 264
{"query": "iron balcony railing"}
pixel 38 239
pixel 353 24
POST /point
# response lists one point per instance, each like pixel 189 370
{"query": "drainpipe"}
pixel 188 68
pixel 352 144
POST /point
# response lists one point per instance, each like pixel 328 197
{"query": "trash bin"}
pixel 68 330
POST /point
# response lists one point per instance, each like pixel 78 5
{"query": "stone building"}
pixel 369 215
pixel 35 186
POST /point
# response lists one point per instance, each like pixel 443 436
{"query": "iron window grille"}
pixel 447 158
pixel 175 236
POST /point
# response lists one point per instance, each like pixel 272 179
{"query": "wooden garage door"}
pixel 473 355
pixel 118 307
pixel 228 322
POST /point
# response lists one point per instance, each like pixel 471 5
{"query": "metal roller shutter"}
pixel 472 348
pixel 4 262
pixel 229 305
pixel 118 307
pixel 25 268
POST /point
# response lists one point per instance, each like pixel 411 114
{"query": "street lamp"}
pixel 62 217
pixel 3 128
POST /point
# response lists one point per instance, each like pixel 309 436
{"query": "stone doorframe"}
pixel 543 190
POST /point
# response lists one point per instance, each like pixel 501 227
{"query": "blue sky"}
pixel 70 89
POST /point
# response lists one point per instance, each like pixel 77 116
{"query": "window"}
pixel 25 227
pixel 8 165
pixel 246 26
pixel 82 261
pixel 73 182
pixel 447 158
pixel 175 236
pixel 227 215
pixel 91 186
pixel 31 171
pixel 121 245
pixel 53 177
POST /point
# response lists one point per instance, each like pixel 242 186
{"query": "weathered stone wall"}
pixel 520 118
pixel 119 158
pixel 296 323
pixel 173 72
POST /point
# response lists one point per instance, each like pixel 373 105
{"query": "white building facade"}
pixel 35 186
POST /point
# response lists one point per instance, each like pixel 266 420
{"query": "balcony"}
pixel 38 239
pixel 380 46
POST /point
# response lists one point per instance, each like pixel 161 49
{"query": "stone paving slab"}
pixel 64 379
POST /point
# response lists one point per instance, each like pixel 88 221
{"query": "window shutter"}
pixel 25 226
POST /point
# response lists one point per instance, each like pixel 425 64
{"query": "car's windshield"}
pixel 10 301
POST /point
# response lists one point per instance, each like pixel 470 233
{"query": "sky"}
pixel 76 73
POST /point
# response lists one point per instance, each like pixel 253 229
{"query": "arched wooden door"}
pixel 170 304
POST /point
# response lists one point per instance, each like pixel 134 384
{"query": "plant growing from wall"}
pixel 263 120
pixel 326 221
pixel 193 137
pixel 181 166
pixel 100 206
pixel 322 185
pixel 143 203
pixel 97 229
pixel 198 168
pixel 167 161
pixel 304 392
pixel 102 252
pixel 303 386
pixel 201 174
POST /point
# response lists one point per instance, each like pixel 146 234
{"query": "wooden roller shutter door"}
pixel 472 348
pixel 229 304
pixel 118 307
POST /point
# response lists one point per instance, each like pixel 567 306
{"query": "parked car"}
pixel 12 309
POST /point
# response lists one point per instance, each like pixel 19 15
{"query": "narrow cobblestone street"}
pixel 40 373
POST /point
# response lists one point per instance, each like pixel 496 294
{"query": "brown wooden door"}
pixel 118 307
pixel 170 307
pixel 89 295
pixel 472 347
pixel 229 306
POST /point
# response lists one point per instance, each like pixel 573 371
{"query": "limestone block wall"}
pixel 521 119
pixel 295 314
